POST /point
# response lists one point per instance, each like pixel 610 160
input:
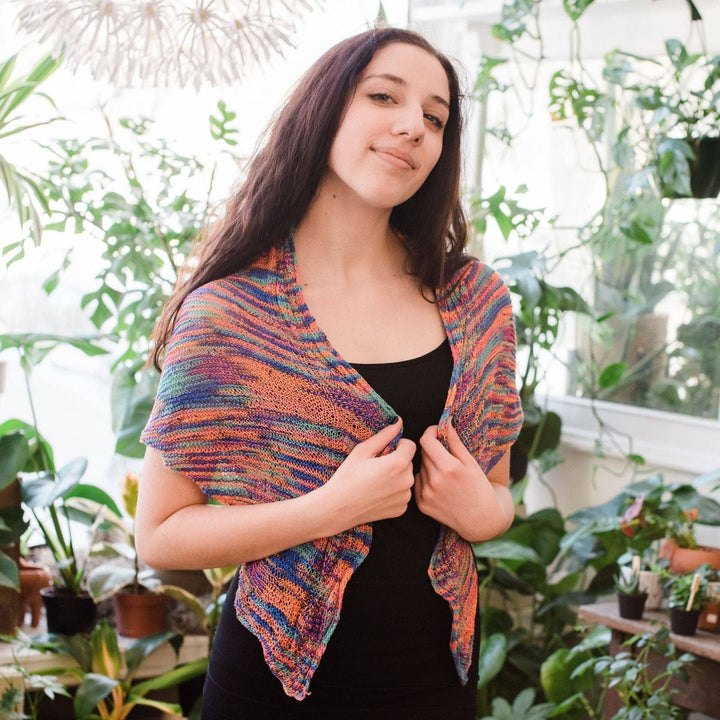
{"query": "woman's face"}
pixel 391 135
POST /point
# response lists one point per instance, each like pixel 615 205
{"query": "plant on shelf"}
pixel 640 515
pixel 139 606
pixel 631 597
pixel 13 454
pixel 688 594
pixel 643 675
pixel 54 496
pixel 107 687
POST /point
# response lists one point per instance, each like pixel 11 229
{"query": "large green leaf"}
pixel 105 650
pixel 143 647
pixel 14 453
pixel 505 550
pixel 105 580
pixel 42 491
pixel 12 525
pixel 493 652
pixel 93 689
pixel 9 573
pixel 173 677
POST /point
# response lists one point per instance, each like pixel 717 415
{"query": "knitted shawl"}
pixel 255 406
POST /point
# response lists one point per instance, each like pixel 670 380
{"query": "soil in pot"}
pixel 631 607
pixel 683 622
pixel 139 615
pixel 68 613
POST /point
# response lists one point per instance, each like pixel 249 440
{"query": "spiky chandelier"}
pixel 155 43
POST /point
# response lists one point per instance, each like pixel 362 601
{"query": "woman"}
pixel 340 376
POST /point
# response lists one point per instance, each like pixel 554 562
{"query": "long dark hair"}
pixel 285 173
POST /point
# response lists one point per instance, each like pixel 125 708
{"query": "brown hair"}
pixel 284 175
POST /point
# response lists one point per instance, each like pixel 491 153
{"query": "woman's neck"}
pixel 341 243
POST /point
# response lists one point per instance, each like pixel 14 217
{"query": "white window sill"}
pixel 668 440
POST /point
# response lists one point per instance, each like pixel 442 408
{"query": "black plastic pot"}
pixel 68 613
pixel 705 168
pixel 631 607
pixel 683 622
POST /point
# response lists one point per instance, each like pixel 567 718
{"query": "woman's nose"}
pixel 410 122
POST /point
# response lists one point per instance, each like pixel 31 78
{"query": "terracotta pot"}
pixel 68 613
pixel 33 578
pixel 684 560
pixel 683 622
pixel 631 607
pixel 139 615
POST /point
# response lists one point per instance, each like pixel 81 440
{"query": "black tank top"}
pixel 389 655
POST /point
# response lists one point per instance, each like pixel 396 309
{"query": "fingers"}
pixel 375 444
pixel 456 445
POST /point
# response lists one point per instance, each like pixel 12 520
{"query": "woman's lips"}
pixel 396 158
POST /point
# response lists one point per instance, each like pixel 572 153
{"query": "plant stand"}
pixel 702 691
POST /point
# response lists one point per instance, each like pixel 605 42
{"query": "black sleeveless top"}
pixel 389 656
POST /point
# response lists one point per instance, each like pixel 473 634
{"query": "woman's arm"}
pixel 452 488
pixel 175 527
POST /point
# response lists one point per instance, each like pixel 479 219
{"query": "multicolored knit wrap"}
pixel 255 406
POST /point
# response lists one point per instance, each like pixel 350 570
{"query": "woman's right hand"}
pixel 371 486
pixel 176 528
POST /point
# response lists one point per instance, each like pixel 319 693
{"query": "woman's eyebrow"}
pixel 399 81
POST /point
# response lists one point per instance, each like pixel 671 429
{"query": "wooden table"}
pixel 702 692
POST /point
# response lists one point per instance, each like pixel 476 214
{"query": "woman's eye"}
pixel 381 97
pixel 434 120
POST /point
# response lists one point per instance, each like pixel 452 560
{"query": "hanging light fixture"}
pixel 152 43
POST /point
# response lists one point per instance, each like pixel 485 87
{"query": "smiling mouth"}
pixel 397 158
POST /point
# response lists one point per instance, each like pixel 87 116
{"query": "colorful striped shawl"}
pixel 256 406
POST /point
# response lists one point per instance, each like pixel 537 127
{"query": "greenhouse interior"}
pixel 573 570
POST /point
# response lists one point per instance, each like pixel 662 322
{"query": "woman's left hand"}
pixel 452 488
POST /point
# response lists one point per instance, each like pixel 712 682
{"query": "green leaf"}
pixel 611 374
pixel 93 689
pixel 173 677
pixel 14 452
pixel 96 494
pixel 575 8
pixel 493 652
pixel 106 580
pixel 143 647
pixel 9 573
pixel 505 550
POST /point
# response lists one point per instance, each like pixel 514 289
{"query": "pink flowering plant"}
pixel 633 521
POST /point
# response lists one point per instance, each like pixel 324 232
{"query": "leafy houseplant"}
pixel 55 497
pixel 640 675
pixel 107 689
pixel 139 611
pixel 22 191
pixel 631 598
pixel 639 516
pixel 687 598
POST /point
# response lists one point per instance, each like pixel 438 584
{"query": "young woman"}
pixel 340 377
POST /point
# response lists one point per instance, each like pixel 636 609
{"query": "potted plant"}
pixel 13 453
pixel 139 607
pixel 687 598
pixel 55 497
pixel 631 598
pixel 107 686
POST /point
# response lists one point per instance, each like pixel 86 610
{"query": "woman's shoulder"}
pixel 473 281
pixel 259 278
